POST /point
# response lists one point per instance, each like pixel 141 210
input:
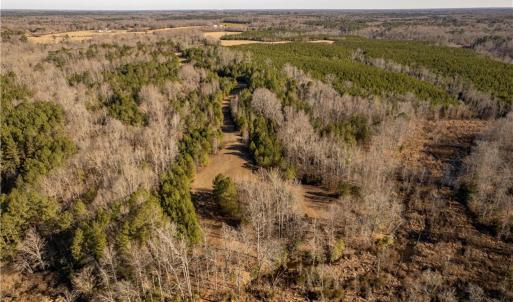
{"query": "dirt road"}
pixel 234 160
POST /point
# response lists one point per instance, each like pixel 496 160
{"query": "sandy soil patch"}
pixel 244 42
pixel 219 34
pixel 322 41
pixel 233 160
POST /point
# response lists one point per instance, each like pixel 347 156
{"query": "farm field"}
pixel 78 36
pixel 89 34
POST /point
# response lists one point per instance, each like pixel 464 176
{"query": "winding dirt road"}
pixel 233 159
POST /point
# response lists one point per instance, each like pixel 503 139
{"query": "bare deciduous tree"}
pixel 266 103
pixel 489 176
pixel 30 253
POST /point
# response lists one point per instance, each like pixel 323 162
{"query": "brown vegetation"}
pixel 375 198
pixel 487 186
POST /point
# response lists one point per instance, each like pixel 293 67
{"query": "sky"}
pixel 246 4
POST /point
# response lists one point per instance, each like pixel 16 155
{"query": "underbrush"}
pixel 487 184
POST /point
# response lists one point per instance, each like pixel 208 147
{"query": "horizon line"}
pixel 251 9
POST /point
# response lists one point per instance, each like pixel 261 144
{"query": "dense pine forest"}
pixel 324 156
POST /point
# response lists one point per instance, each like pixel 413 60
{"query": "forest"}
pixel 443 63
pixel 140 164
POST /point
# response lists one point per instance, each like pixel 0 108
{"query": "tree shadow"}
pixel 207 207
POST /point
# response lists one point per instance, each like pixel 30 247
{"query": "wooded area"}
pixel 373 169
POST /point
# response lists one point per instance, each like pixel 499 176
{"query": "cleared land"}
pixel 216 35
pixel 84 35
pixel 439 232
pixel 235 161
pixel 89 34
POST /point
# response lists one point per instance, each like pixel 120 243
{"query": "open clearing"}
pixel 439 232
pixel 83 35
pixel 234 160
pixel 89 34
pixel 216 35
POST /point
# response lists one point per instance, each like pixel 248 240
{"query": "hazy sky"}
pixel 246 4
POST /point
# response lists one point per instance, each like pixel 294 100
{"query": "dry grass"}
pixel 83 35
pixel 217 35
pixel 322 41
pixel 439 235
pixel 34 287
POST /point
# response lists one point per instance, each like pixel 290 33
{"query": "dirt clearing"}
pixel 233 160
pixel 439 233
pixel 216 35
pixel 244 42
pixel 83 35
pixel 78 36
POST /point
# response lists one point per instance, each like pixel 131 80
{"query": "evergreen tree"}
pixel 225 195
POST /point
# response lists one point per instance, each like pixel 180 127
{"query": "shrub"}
pixel 383 242
pixel 333 292
pixel 466 192
pixel 337 250
pixel 345 188
pixel 487 185
pixel 76 245
pixel 225 194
